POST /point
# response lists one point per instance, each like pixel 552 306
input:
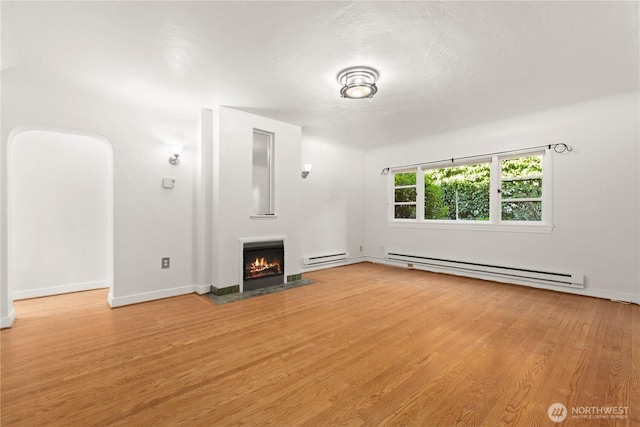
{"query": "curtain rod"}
pixel 560 147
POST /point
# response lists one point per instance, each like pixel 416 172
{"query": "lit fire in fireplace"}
pixel 261 267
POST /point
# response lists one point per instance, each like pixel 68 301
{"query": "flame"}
pixel 262 267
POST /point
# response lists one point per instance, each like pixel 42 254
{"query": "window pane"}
pixel 405 195
pixel 262 195
pixel 522 189
pixel 522 211
pixel 522 166
pixel 405 211
pixel 457 193
pixel 408 178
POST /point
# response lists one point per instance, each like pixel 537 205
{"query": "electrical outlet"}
pixel 361 247
pixel 165 262
pixel 410 265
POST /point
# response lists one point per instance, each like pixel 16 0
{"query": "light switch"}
pixel 168 182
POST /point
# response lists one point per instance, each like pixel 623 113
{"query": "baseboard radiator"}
pixel 324 259
pixel 495 272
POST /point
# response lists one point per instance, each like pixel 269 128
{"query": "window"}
pixel 262 177
pixel 495 191
pixel 521 189
pixel 457 192
pixel 404 195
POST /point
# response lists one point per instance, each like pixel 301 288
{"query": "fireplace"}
pixel 263 264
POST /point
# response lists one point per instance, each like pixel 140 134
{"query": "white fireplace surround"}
pixel 243 240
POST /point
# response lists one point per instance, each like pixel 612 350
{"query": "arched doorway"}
pixel 59 212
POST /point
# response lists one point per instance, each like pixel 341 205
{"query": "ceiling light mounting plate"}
pixel 358 82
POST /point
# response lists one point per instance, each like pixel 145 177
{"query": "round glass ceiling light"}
pixel 358 82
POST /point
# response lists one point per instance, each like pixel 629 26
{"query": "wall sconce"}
pixel 307 169
pixel 176 149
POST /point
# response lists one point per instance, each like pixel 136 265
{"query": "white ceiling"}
pixel 443 65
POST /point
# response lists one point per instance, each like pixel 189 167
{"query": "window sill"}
pixel 476 226
pixel 273 216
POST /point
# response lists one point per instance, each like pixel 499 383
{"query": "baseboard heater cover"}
pixel 472 268
pixel 324 259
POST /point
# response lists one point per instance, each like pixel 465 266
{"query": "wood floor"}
pixel 365 345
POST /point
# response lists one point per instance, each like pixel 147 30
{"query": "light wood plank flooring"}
pixel 365 345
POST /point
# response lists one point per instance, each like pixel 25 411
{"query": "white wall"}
pixel 149 222
pixel 232 217
pixel 60 214
pixel 333 199
pixel 595 196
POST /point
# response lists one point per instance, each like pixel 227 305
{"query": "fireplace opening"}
pixel 263 264
pixel 262 267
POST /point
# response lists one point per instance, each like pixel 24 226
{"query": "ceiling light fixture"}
pixel 358 82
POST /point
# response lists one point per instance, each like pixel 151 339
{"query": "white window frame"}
pixel 545 176
pixel 495 222
pixel 392 195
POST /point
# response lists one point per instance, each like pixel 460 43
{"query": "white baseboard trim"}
pixel 155 295
pixel 7 321
pixel 596 293
pixel 58 290
pixel 202 289
pixel 354 260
